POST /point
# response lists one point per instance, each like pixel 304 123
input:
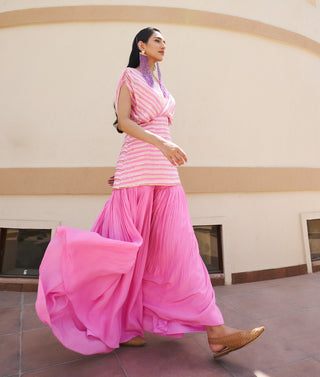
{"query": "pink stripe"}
pixel 147 168
pixel 139 162
pixel 141 159
pixel 142 173
pixel 147 183
pixel 149 180
pixel 142 147
pixel 145 100
pixel 133 167
pixel 148 94
pixel 145 104
pixel 152 93
pixel 157 162
pixel 141 81
pixel 139 143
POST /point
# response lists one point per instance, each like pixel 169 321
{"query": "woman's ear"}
pixel 141 46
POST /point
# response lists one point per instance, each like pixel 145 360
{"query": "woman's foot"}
pixel 137 341
pixel 219 332
pixel 223 340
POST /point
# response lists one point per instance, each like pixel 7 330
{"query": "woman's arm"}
pixel 170 150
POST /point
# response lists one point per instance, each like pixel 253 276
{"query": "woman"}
pixel 139 268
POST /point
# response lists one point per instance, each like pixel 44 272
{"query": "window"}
pixel 210 245
pixel 314 238
pixel 21 250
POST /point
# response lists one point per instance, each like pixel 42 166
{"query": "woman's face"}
pixel 155 47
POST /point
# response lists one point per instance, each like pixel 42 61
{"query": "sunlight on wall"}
pixel 313 2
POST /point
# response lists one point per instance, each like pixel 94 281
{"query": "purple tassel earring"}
pixel 146 73
pixel 145 68
pixel 163 88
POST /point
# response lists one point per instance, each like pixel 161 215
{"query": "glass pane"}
pixel 209 240
pixel 23 250
pixel 314 238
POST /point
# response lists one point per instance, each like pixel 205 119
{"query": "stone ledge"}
pixel 273 273
pixel 316 266
pixel 18 284
pixel 217 279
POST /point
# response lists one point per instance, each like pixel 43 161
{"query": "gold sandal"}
pixel 137 341
pixel 236 341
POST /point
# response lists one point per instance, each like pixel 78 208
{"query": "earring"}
pixel 145 68
pixel 163 88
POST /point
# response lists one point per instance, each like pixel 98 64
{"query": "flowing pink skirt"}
pixel 138 269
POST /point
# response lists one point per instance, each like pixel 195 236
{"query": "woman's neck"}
pixel 152 69
pixel 152 63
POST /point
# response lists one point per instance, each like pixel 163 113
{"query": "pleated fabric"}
pixel 138 269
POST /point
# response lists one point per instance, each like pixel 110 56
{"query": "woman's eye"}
pixel 159 41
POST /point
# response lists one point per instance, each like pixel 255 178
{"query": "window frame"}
pixel 24 224
pixel 304 217
pixel 219 246
pixel 225 241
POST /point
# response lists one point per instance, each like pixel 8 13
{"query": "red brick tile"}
pixel 9 320
pixel 170 358
pixel 266 353
pixel 40 348
pixel 9 299
pixel 302 294
pixel 296 324
pixel 233 318
pixel 9 354
pixel 93 366
pixel 29 298
pixel 258 305
pixel 310 344
pixel 289 308
pixel 30 318
pixel 305 368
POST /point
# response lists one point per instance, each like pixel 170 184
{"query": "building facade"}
pixel 247 85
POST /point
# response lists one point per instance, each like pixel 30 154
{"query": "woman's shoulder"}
pixel 132 72
pixel 133 76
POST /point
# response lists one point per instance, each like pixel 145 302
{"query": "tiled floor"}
pixel 290 347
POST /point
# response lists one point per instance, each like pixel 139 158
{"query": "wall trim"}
pixel 31 285
pixel 150 14
pixel 274 273
pixel 217 279
pixel 315 266
pixel 304 217
pixel 19 284
pixel 93 180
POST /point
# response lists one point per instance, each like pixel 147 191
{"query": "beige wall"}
pixel 244 99
pixel 252 102
pixel 57 85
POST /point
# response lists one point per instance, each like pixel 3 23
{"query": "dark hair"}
pixel 134 60
pixel 143 36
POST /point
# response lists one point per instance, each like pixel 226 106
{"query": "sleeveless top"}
pixel 141 163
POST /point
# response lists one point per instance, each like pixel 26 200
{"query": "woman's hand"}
pixel 173 152
pixel 111 180
pixel 170 150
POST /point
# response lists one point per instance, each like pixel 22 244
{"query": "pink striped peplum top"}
pixel 141 163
